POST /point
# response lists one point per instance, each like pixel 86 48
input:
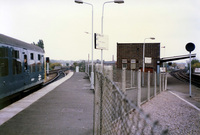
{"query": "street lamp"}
pixel 152 38
pixel 115 1
pixel 92 72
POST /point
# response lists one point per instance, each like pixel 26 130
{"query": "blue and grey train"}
pixel 21 66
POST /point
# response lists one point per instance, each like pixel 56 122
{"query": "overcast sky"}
pixel 62 24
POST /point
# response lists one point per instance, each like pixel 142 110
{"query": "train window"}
pixel 3 52
pixel 15 54
pixel 32 68
pixel 39 56
pixel 32 56
pixel 39 67
pixel 3 67
pixel 25 62
pixel 17 67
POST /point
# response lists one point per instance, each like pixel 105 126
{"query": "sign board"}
pixel 101 41
pixel 148 60
pixel 197 70
pixel 133 61
pixel 124 60
pixel 162 70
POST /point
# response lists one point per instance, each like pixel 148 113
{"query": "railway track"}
pixel 184 76
pixel 15 97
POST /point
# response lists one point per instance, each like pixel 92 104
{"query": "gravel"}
pixel 174 114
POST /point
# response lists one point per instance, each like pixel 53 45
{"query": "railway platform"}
pixel 65 108
pixel 175 110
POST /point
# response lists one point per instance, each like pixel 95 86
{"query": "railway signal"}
pixel 190 47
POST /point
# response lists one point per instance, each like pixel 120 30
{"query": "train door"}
pixel 26 69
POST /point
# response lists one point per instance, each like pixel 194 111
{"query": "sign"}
pixel 148 60
pixel 197 70
pixel 101 41
pixel 190 47
pixel 124 60
pixel 133 61
pixel 162 70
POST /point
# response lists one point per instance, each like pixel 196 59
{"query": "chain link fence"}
pixel 115 113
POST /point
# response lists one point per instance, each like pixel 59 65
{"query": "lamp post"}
pixel 143 66
pixel 115 1
pixel 92 72
pixel 190 47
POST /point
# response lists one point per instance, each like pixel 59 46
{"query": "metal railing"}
pixel 115 114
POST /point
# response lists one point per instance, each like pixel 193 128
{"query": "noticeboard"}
pixel 162 70
pixel 148 60
pixel 101 41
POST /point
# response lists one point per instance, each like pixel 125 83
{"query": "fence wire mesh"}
pixel 115 113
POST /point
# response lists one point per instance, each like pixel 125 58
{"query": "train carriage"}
pixel 21 66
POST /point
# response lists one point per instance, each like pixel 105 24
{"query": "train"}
pixel 21 66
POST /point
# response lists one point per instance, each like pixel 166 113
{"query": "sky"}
pixel 65 26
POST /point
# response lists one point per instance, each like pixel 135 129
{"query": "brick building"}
pixel 130 56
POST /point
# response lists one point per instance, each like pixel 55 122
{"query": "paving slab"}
pixel 66 110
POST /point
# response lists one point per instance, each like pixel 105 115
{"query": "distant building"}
pixel 130 56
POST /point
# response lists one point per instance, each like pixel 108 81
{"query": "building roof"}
pixel 179 57
pixel 17 43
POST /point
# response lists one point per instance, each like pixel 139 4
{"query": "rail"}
pixel 184 76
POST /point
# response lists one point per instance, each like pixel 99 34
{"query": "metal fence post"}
pixel 148 94
pixel 96 117
pixel 166 81
pixel 139 88
pixel 155 84
pixel 124 80
pixel 160 82
pixel 131 78
pixel 163 82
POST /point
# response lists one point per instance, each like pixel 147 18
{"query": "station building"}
pixel 130 56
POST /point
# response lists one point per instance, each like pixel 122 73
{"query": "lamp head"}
pixel 152 38
pixel 79 1
pixel 119 1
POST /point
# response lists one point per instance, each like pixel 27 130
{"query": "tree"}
pixel 174 64
pixel 195 64
pixel 41 44
pixel 52 65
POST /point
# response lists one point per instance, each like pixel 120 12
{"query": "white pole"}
pixel 148 90
pixel 102 28
pixel 124 80
pixel 143 63
pixel 155 86
pixel 190 77
pixel 92 72
pixel 139 89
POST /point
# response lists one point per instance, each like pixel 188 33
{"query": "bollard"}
pixel 148 90
pixel 155 86
pixel 139 89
